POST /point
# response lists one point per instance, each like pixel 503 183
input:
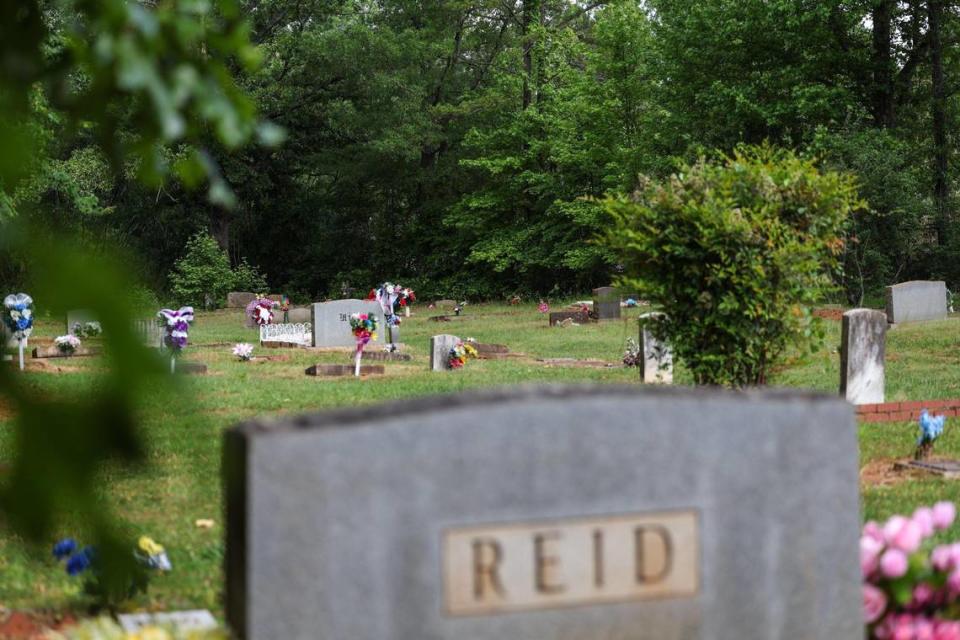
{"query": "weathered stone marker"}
pixel 862 346
pixel 656 366
pixel 440 351
pixel 240 299
pixel 580 317
pixel 337 370
pixel 331 321
pixel 566 513
pixel 606 303
pixel 916 301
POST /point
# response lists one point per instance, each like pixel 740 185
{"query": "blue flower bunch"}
pixel 930 427
pixel 19 315
pixel 78 560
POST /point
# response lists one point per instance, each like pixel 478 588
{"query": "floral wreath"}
pixel 460 353
pixel 177 326
pixel 364 328
pixel 261 311
pixel 19 315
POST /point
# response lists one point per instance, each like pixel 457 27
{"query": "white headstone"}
pixel 861 356
pixel 440 347
pixel 294 333
pixel 331 321
pixel 656 365
pixel 916 301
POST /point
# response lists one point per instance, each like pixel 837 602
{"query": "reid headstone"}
pixel 656 365
pixel 79 316
pixel 916 301
pixel 440 351
pixel 567 513
pixel 331 321
pixel 606 303
pixel 862 346
pixel 240 299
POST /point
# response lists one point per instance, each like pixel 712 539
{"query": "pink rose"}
pixel 924 518
pixel 923 629
pixel 947 630
pixel 903 534
pixel 923 595
pixel 873 530
pixel 870 550
pixel 902 628
pixel 874 603
pixel 943 515
pixel 953 582
pixel 893 563
pixel 941 557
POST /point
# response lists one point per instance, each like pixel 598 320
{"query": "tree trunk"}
pixel 529 10
pixel 882 63
pixel 220 228
pixel 938 109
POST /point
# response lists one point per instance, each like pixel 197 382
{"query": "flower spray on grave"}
pixel 18 317
pixel 364 328
pixel 177 324
pixel 460 353
pixel 388 295
pixel 406 300
pixel 260 311
pixel 910 590
pixel 86 330
pixel 931 427
pixel 67 345
pixel 243 351
pixel 632 354
pixel 111 590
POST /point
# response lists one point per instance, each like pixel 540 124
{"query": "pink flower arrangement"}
pixel 908 593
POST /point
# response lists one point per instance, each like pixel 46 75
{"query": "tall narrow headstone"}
pixel 916 301
pixel 567 513
pixel 656 365
pixel 862 349
pixel 331 321
pixel 606 303
pixel 440 347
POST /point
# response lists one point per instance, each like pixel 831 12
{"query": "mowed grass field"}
pixel 182 432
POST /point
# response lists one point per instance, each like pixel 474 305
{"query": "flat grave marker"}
pixel 579 316
pixel 336 370
pixel 567 513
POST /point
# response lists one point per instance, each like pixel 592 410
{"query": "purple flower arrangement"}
pixel 177 324
pixel 908 592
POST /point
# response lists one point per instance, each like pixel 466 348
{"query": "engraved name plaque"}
pixel 538 565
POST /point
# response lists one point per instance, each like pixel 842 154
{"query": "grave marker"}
pixel 240 299
pixel 79 316
pixel 440 347
pixel 331 321
pixel 554 512
pixel 862 346
pixel 580 316
pixel 656 365
pixel 606 303
pixel 916 301
pixel 299 334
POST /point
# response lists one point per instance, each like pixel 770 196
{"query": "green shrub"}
pixel 203 277
pixel 734 251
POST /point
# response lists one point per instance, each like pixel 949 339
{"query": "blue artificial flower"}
pixel 81 561
pixel 19 307
pixel 24 323
pixel 64 548
pixel 930 427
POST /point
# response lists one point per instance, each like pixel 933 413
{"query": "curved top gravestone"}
pixel 564 512
pixel 916 301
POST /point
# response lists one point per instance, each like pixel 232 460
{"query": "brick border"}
pixel 903 411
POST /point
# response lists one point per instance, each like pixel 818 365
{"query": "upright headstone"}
pixel 862 347
pixel 79 316
pixel 656 365
pixel 606 303
pixel 440 347
pixel 564 513
pixel 240 299
pixel 299 314
pixel 331 321
pixel 916 301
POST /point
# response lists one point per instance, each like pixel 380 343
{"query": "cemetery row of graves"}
pixel 264 359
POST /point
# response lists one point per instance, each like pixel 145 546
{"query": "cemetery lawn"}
pixel 181 484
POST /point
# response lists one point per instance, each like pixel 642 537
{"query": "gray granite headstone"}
pixel 606 303
pixel 299 314
pixel 916 301
pixel 561 513
pixel 331 321
pixel 656 365
pixel 240 299
pixel 79 316
pixel 440 351
pixel 862 346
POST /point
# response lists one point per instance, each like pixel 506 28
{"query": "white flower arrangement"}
pixel 243 351
pixel 67 345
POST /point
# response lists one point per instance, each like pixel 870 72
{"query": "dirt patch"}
pixel 881 473
pixel 6 411
pixel 25 625
pixel 829 313
pixel 46 366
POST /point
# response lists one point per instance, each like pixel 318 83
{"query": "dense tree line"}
pixel 462 146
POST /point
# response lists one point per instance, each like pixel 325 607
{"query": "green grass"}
pixel 181 482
